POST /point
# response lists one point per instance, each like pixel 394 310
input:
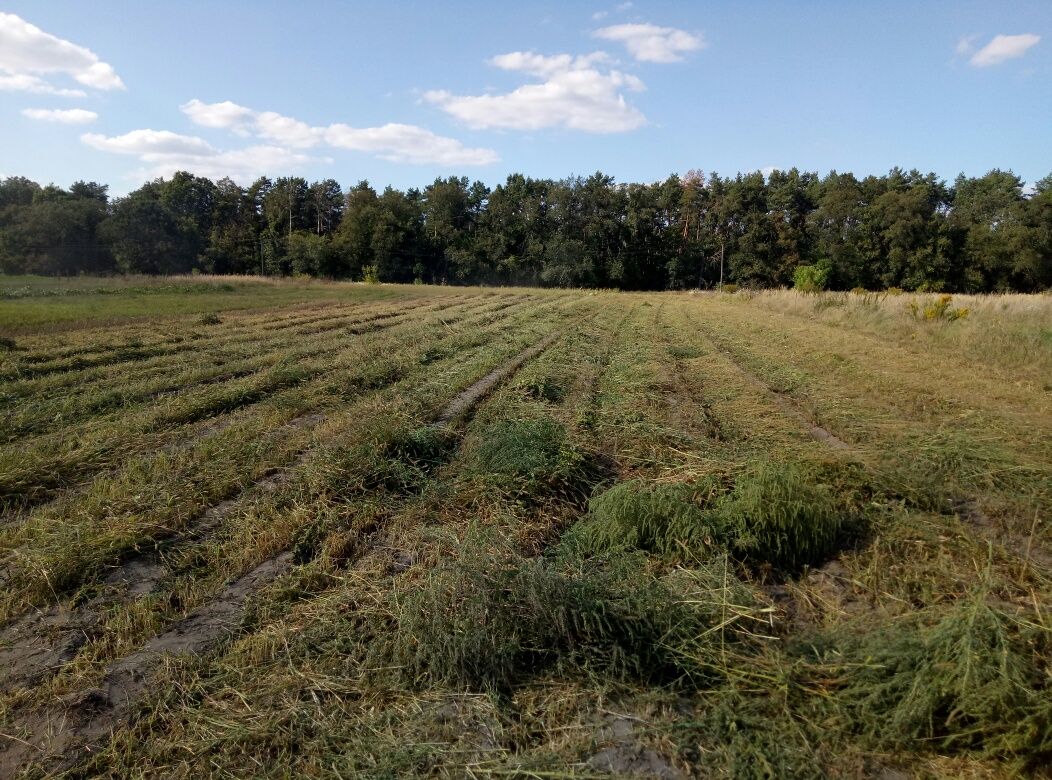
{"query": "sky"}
pixel 401 93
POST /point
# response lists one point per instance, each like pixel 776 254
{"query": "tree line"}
pixel 904 229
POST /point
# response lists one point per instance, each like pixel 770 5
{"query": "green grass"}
pixel 635 549
pixel 35 304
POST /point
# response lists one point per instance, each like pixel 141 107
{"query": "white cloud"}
pixel 101 75
pixel 23 82
pixel 574 94
pixel 69 116
pixel 618 9
pixel 242 165
pixel 26 50
pixel 1004 47
pixel 163 153
pixel 149 144
pixel 286 130
pixel 408 144
pixel 394 142
pixel 650 43
pixel 225 115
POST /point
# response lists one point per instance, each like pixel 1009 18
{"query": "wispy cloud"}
pixel 23 82
pixel 966 45
pixel 650 43
pixel 393 141
pixel 1002 48
pixel 67 116
pixel 575 92
pixel 26 51
pixel 618 9
pixel 163 152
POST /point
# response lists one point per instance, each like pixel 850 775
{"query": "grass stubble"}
pixel 635 557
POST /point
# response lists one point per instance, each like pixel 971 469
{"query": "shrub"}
pixel 811 278
pixel 370 274
pixel 938 309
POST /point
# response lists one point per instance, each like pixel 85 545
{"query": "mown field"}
pixel 279 529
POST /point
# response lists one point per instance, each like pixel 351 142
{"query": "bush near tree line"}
pixel 903 230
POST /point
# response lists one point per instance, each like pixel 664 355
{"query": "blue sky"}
pixel 398 94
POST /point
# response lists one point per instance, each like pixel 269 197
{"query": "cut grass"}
pixel 533 458
pixel 631 554
pixel 488 620
pixel 785 515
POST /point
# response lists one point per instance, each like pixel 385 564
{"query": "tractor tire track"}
pixel 788 406
pixel 58 736
pixel 41 642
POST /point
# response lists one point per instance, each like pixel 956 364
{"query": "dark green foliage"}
pixel 640 515
pixel 905 229
pixel 427 447
pixel 491 619
pixel 752 737
pixel 971 681
pixel 406 458
pixel 786 515
pixel 533 458
pixel 8 344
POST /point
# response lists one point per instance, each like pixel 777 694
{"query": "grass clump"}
pixel 492 619
pixel 211 318
pixel 406 458
pixel 684 351
pixel 786 515
pixel 752 737
pixel 551 389
pixel 668 519
pixel 972 681
pixel 945 465
pixel 533 458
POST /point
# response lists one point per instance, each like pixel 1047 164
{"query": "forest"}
pixel 904 229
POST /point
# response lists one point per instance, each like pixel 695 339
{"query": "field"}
pixel 312 529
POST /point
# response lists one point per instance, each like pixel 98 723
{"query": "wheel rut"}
pixel 58 736
pixel 788 406
pixel 38 644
